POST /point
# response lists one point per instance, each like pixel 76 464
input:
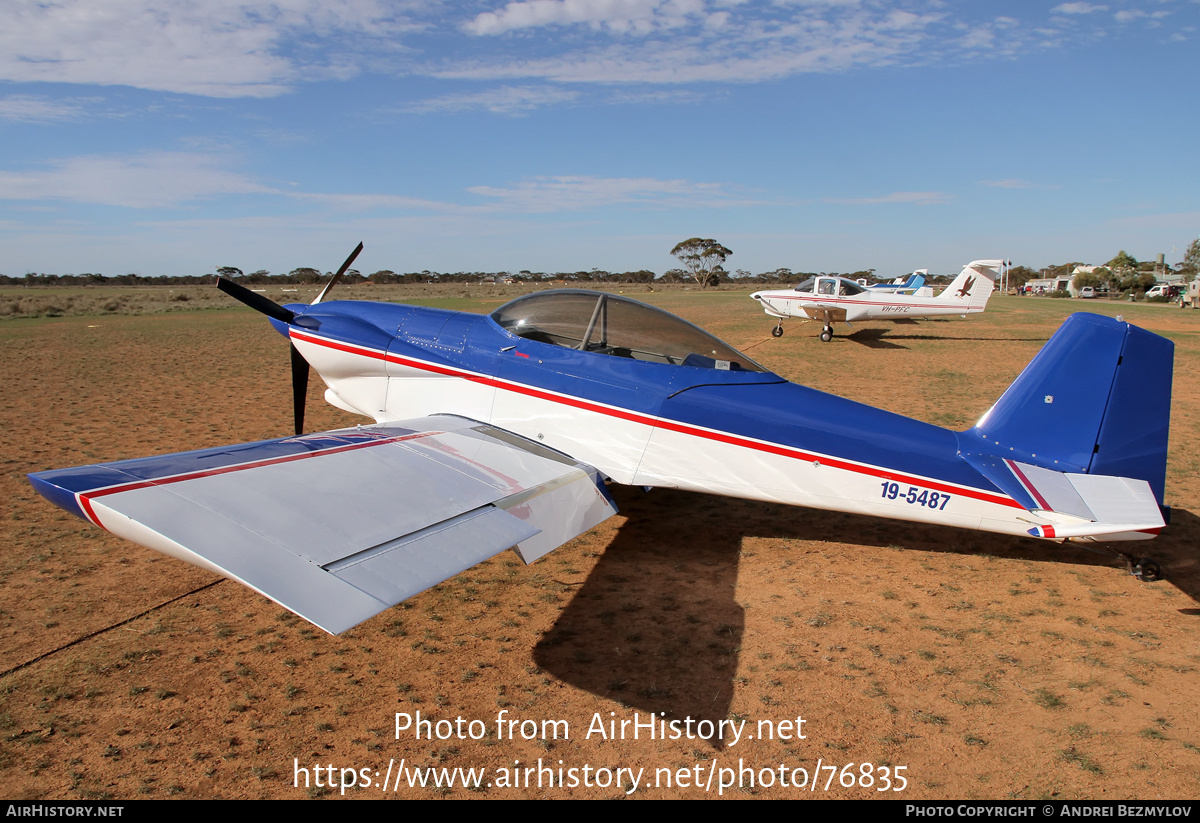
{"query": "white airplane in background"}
pixel 839 300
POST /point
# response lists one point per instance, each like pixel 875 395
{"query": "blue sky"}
pixel 175 136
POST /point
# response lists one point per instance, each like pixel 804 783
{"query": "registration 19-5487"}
pixel 916 496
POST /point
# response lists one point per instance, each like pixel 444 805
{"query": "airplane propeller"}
pixel 270 308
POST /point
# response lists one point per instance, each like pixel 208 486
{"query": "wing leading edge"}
pixel 339 526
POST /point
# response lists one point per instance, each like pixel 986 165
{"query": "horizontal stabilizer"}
pixel 1074 505
pixel 339 526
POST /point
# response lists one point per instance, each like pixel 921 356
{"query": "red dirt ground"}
pixel 970 665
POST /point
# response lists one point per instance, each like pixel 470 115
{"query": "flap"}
pixel 338 526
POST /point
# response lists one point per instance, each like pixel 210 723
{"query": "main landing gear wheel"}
pixel 1144 569
pixel 777 331
pixel 827 334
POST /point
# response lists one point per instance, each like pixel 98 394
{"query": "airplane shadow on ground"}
pixel 657 625
pixel 882 339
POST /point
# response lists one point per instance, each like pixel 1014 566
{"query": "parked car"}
pixel 1169 291
pixel 1087 291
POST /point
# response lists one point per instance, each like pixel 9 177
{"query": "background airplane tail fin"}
pixel 974 284
pixel 1095 400
pixel 915 281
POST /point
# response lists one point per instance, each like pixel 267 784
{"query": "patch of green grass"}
pixel 1083 761
pixel 930 717
pixel 1048 699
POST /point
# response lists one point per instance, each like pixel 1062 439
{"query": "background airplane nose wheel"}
pixel 777 331
pixel 827 334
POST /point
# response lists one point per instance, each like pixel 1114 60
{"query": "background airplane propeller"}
pixel 270 308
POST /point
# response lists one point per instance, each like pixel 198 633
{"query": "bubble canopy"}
pixel 610 324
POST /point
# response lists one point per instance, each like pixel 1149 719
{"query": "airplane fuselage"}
pixel 866 305
pixel 741 433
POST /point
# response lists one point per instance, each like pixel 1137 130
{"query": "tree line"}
pixel 309 276
pixel 703 263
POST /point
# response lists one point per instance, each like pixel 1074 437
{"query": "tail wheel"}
pixel 1146 570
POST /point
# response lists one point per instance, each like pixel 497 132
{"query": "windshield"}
pixel 830 285
pixel 608 324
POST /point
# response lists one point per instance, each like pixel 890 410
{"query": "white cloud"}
pixel 622 16
pixel 25 109
pixel 217 48
pixel 151 180
pixel 1010 183
pixel 1077 8
pixel 261 48
pixel 919 198
pixel 1128 15
pixel 662 97
pixel 576 193
pixel 373 202
pixel 502 100
pixel 747 43
pixel 172 179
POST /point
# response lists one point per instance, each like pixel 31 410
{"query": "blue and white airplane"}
pixel 501 430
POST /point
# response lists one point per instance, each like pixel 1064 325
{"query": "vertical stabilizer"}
pixel 1095 400
pixel 974 285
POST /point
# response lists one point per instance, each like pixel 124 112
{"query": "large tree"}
pixel 1096 278
pixel 1123 262
pixel 702 258
pixel 1191 259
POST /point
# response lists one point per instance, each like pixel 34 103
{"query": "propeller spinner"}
pixel 270 308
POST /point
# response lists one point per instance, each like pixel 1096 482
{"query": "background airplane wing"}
pixel 830 312
pixel 339 526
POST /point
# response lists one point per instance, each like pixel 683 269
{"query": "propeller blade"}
pixel 299 387
pixel 256 301
pixel 270 308
pixel 339 274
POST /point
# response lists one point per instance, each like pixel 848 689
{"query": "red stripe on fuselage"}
pixel 658 422
pixel 845 301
